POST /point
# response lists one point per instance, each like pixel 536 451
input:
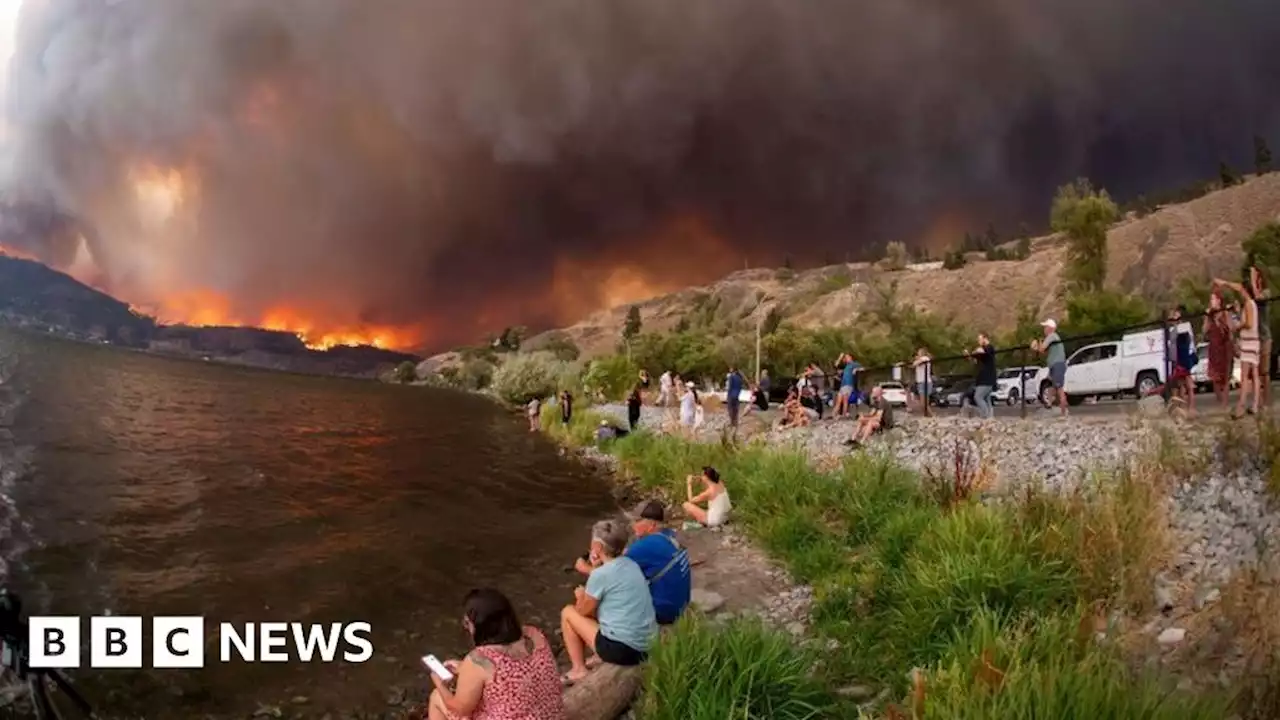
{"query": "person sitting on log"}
pixel 613 615
pixel 663 560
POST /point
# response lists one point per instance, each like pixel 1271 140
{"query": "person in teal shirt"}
pixel 613 615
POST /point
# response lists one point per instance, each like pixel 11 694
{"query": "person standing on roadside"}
pixel 1055 356
pixel 846 367
pixel 1250 347
pixel 985 381
pixel 924 374
pixel 733 395
pixel 1220 333
pixel 765 383
pixel 1265 349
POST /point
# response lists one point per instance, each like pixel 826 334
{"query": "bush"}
pixel 954 260
pixel 535 375
pixel 406 372
pixel 896 256
pixel 741 670
pixel 613 376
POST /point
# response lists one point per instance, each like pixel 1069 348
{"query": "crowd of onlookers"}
pixel 639 578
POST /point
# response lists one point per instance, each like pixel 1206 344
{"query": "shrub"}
pixel 896 256
pixel 405 372
pixel 613 376
pixel 741 670
pixel 954 260
pixel 535 375
pixel 475 374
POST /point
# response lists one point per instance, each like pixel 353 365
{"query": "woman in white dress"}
pixel 689 406
pixel 714 494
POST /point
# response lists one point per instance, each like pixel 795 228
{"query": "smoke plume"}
pixel 459 166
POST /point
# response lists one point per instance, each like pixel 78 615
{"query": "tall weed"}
pixel 740 671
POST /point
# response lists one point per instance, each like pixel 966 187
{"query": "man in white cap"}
pixel 1056 358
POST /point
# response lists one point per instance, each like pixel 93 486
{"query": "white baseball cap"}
pixel 689 384
pixel 1050 323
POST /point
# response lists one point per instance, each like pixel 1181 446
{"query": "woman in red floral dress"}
pixel 510 675
pixel 1220 333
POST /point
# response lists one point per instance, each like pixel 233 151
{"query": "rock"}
pixel 706 601
pixel 1171 637
pixel 300 700
pixel 268 711
pixel 796 628
pixel 1206 597
pixel 857 693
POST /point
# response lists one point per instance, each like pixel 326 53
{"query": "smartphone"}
pixel 437 668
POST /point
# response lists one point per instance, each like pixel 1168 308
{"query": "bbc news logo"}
pixel 179 642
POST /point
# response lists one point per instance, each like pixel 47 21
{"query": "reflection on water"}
pixel 142 485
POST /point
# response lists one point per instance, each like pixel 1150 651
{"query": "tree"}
pixel 1261 155
pixel 992 238
pixel 1226 175
pixel 1022 250
pixel 631 328
pixel 786 261
pixel 1262 248
pixel 1103 312
pixel 1084 215
pixel 896 256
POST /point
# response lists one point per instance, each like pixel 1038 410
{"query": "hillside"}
pixel 34 295
pixel 1147 255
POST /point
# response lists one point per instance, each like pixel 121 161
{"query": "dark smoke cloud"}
pixel 396 160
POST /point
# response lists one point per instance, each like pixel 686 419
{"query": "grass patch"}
pixel 910 573
pixel 739 670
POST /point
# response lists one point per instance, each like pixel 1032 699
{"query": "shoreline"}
pixel 1215 511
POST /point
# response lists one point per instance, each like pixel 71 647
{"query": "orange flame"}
pixel 203 308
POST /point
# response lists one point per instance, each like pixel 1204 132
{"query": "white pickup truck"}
pixel 1134 364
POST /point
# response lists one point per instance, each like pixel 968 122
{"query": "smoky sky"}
pixel 406 161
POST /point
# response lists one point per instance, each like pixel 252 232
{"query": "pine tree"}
pixel 1227 175
pixel 1261 155
pixel 633 324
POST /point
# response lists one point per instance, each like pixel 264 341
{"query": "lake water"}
pixel 142 485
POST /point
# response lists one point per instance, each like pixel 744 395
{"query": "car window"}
pixel 1086 355
pixel 1108 351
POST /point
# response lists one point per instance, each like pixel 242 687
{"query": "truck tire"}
pixel 1074 400
pixel 1014 397
pixel 1147 381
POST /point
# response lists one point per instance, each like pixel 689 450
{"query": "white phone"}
pixel 438 668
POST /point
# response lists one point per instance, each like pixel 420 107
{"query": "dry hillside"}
pixel 1148 255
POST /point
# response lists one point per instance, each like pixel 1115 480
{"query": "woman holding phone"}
pixel 509 675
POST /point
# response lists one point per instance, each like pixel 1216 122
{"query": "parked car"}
pixel 1009 390
pixel 959 393
pixel 1201 371
pixel 894 393
pixel 1132 365
pixel 942 386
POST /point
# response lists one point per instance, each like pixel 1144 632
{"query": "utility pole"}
pixel 759 325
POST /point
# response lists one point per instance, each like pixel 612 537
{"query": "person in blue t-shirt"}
pixel 733 392
pixel 664 562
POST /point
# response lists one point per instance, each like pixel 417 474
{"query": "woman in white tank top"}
pixel 714 494
pixel 1250 348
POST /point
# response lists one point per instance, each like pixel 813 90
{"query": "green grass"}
pixel 902 580
pixel 733 672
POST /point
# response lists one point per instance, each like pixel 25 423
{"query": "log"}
pixel 604 694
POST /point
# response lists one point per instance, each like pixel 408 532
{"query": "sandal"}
pixel 568 682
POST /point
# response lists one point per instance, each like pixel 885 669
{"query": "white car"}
pixel 1201 371
pixel 1135 364
pixel 893 393
pixel 1007 388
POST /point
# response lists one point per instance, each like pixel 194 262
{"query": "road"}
pixel 1205 404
